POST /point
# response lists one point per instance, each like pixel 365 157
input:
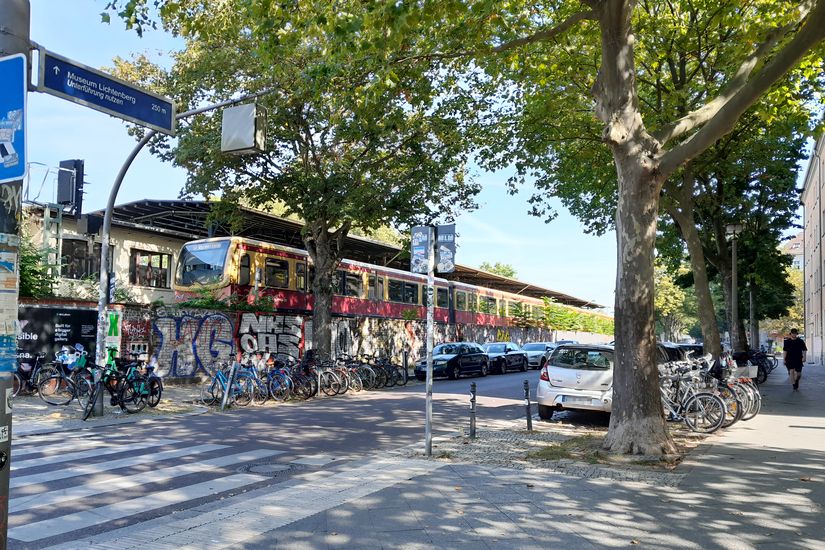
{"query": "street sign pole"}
pixel 428 429
pixel 15 42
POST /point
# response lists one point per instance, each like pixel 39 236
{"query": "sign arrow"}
pixel 56 71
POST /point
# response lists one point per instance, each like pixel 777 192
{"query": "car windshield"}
pixel 445 349
pixel 534 347
pixel 201 263
pixel 494 348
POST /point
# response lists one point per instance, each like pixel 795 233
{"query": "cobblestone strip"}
pixel 239 518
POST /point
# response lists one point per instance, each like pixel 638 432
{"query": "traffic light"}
pixel 70 179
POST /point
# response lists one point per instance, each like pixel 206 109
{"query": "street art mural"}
pixel 191 343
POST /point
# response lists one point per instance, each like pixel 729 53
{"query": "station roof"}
pixel 191 220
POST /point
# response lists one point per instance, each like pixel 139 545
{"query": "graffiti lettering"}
pixel 279 334
pixel 190 344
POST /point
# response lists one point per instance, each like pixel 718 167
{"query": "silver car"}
pixel 538 353
pixel 576 377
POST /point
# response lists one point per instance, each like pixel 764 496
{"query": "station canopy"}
pixel 189 220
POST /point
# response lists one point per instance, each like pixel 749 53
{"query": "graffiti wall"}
pixel 191 343
pixel 279 334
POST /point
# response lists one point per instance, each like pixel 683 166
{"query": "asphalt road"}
pixel 94 481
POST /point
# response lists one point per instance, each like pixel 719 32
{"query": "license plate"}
pixel 575 400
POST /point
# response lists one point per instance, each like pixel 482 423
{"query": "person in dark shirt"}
pixel 794 356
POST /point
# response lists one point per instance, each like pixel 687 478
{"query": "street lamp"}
pixel 732 230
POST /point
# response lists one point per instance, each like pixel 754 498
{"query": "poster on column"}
pixel 445 248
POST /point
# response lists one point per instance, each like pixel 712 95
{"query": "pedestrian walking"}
pixel 794 357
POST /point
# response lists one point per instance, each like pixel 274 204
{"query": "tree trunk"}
pixel 637 423
pixel 325 249
pixel 707 312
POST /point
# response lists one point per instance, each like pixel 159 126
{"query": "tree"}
pixel 498 268
pixel 556 65
pixel 350 146
pixel 37 278
pixel 795 316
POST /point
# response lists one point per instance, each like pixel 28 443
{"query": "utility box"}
pixel 243 129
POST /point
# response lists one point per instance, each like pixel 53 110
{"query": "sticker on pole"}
pixel 4 434
pixel 12 118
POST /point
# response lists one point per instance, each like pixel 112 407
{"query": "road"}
pixel 69 488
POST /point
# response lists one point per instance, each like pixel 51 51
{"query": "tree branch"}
pixel 737 84
pixel 721 119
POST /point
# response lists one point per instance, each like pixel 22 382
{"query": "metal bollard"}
pixel 473 410
pixel 229 382
pixel 527 406
pixel 406 367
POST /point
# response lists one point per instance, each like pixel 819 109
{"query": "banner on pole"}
pixel 420 248
pixel 445 249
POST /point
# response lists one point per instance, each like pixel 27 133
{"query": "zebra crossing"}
pixel 72 491
pixel 76 482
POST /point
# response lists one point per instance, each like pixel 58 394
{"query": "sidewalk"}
pixel 760 484
pixel 31 415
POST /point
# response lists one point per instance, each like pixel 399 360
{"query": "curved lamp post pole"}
pixel 103 294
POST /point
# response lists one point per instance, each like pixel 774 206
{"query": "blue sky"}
pixel 557 255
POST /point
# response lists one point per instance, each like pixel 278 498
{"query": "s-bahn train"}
pixel 241 267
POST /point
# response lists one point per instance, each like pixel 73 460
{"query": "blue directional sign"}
pixel 78 83
pixel 12 117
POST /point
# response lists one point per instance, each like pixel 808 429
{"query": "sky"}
pixel 557 255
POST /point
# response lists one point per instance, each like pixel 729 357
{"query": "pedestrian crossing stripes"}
pixel 22 464
pixel 96 496
pixel 155 476
pixel 89 469
pixel 246 518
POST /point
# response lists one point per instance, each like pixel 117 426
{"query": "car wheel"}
pixel 543 362
pixel 523 364
pixel 455 373
pixel 502 367
pixel 545 412
pixel 484 368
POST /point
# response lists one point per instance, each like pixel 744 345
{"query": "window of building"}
pixel 276 273
pixel 442 297
pixel 76 261
pixel 151 269
pixel 461 301
pixel 301 276
pixel 243 276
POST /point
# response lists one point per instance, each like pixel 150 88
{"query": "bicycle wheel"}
pixel 16 384
pixel 260 393
pixel 355 383
pixel 155 392
pixel 704 412
pixel 761 375
pixel 56 390
pixel 90 404
pixel 279 388
pixel 755 404
pixel 83 392
pixel 330 383
pixel 43 373
pixel 132 394
pixel 733 407
pixel 242 390
pixel 211 392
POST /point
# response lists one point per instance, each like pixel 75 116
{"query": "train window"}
pixel 353 285
pixel 276 273
pixel 410 293
pixel 338 282
pixel 396 290
pixel 376 287
pixel 243 277
pixel 461 301
pixel 301 276
pixel 514 309
pixel 442 298
pixel 487 305
pixel 472 301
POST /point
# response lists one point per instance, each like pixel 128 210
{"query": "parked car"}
pixel 577 376
pixel 504 356
pixel 454 359
pixel 560 342
pixel 538 353
pixel 670 352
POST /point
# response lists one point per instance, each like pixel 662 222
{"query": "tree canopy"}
pixel 498 268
